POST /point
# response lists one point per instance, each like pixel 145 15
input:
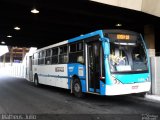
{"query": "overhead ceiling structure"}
pixel 59 20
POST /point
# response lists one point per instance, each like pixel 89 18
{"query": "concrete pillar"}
pixel 149 36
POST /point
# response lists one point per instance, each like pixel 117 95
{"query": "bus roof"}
pixel 81 37
pixel 98 32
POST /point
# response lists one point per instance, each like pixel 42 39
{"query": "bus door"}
pixel 30 69
pixel 93 66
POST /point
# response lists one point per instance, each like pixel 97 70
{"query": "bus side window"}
pixel 35 58
pixel 39 56
pixel 48 57
pixel 54 57
pixel 63 57
pixel 76 53
pixel 43 57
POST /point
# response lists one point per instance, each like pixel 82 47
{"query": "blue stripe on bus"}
pixel 98 32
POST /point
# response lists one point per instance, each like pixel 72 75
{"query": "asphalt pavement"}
pixel 20 99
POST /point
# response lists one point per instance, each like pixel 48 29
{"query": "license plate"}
pixel 135 87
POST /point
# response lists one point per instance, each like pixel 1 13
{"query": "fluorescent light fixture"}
pixel 3 49
pixel 3 42
pixel 35 11
pixel 118 25
pixel 17 28
pixel 9 36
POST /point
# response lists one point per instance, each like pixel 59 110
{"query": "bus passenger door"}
pixel 93 64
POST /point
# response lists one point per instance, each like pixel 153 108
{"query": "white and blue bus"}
pixel 104 62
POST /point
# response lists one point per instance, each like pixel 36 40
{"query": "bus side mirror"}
pixel 106 46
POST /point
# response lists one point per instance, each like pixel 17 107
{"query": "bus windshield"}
pixel 127 57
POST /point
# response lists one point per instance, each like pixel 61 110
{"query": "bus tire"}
pixel 36 81
pixel 143 94
pixel 77 88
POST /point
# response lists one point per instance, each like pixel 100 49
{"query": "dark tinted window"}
pixel 79 46
pixel 63 50
pixel 54 51
pixel 76 53
pixel 73 48
pixel 48 53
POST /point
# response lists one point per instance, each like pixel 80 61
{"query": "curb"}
pixel 153 98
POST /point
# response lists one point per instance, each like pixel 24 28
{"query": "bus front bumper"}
pixel 122 89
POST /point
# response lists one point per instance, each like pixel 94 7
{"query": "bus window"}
pixel 41 57
pixel 80 46
pixel 35 59
pixel 139 58
pixel 48 57
pixel 76 53
pixel 48 53
pixel 127 58
pixel 39 62
pixel 54 58
pixel 63 57
pixel 73 48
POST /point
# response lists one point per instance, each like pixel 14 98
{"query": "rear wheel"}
pixel 77 88
pixel 36 82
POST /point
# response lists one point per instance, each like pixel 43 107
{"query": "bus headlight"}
pixel 115 81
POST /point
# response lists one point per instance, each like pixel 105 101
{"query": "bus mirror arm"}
pixel 106 46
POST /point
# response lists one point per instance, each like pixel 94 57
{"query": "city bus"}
pixel 104 62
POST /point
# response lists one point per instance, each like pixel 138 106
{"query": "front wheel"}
pixel 77 88
pixel 143 94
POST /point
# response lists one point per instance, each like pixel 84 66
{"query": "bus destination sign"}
pixel 123 37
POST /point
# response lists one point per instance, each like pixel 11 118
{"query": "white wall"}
pixel 16 70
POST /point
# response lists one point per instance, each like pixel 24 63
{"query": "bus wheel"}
pixel 143 94
pixel 36 82
pixel 77 88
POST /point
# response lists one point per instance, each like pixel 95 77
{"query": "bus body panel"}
pixel 122 89
pixel 79 70
pixel 131 78
pixel 54 75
